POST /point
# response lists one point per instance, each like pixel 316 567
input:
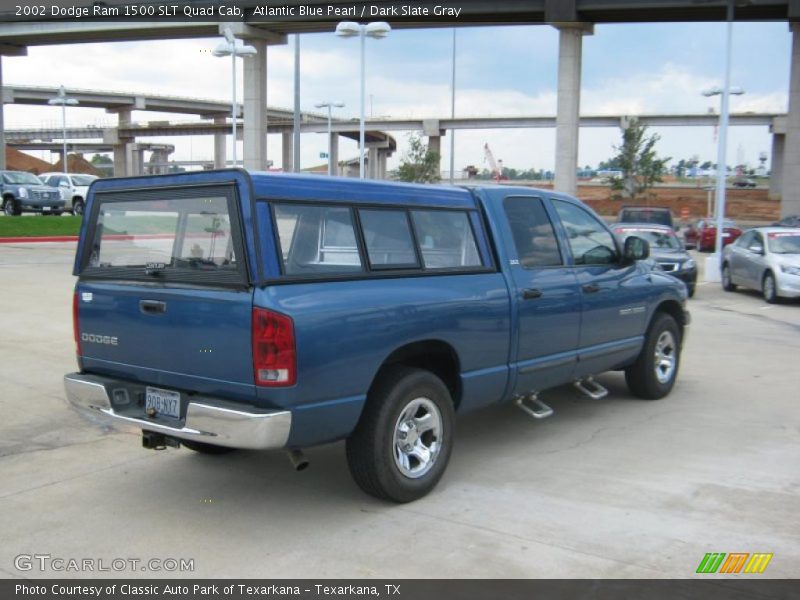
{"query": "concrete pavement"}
pixel 612 488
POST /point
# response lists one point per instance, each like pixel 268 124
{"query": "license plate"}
pixel 45 208
pixel 164 402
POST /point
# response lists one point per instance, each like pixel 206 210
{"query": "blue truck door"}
pixel 545 293
pixel 614 296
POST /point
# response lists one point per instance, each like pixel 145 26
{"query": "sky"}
pixel 512 70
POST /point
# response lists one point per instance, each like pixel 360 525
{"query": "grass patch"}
pixel 39 226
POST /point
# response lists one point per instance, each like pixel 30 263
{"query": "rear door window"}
pixel 317 240
pixel 172 235
pixel 446 239
pixel 532 232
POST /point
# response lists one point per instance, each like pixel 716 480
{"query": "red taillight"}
pixel 274 359
pixel 76 329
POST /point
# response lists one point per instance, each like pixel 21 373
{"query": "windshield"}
pixel 82 179
pixel 657 238
pixel 784 243
pixel 20 177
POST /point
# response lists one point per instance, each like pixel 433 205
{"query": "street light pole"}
pixel 63 101
pixel 453 112
pixel 714 263
pixel 376 30
pixel 228 47
pixel 329 105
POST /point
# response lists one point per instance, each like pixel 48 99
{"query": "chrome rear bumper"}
pixel 208 420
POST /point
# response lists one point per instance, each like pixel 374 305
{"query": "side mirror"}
pixel 635 249
pixel 756 249
pixel 63 184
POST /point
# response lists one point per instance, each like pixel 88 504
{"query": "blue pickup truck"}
pixel 228 309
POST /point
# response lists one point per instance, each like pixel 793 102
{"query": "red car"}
pixel 703 234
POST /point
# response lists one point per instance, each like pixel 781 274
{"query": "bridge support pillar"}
pixel 127 156
pixel 220 145
pixel 776 166
pixel 570 47
pixel 6 50
pixel 255 108
pixel 333 153
pixel 2 125
pixel 790 186
pixel 287 151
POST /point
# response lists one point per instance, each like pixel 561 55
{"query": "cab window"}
pixel 590 242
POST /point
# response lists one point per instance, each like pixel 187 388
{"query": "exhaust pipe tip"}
pixel 298 460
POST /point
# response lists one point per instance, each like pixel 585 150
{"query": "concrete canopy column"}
pixel 790 196
pixel 570 45
pixel 287 151
pixel 776 166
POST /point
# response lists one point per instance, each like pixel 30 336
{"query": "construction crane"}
pixel 495 165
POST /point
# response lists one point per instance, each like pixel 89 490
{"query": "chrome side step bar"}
pixel 591 388
pixel 533 406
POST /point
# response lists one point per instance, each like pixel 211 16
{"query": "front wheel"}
pixel 653 374
pixel 77 207
pixel 10 208
pixel 727 282
pixel 402 444
pixel 769 289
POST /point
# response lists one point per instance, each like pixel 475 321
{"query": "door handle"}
pixel 531 294
pixel 152 307
pixel 591 288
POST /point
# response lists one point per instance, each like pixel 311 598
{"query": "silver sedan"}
pixel 765 259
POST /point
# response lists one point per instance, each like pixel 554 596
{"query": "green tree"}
pixel 419 164
pixel 636 158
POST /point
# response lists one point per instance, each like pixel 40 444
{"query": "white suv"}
pixel 73 188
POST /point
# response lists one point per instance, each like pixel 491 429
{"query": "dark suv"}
pixel 24 192
pixel 646 214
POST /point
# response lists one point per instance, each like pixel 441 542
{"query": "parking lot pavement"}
pixel 611 488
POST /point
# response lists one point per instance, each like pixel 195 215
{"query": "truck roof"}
pixel 292 186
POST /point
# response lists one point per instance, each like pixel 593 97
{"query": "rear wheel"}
pixel 204 448
pixel 769 289
pixel 10 208
pixel 727 283
pixel 653 374
pixel 401 446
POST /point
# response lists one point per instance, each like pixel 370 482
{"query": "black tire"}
pixel 77 207
pixel 204 448
pixel 397 403
pixel 727 282
pixel 769 288
pixel 642 376
pixel 690 288
pixel 11 208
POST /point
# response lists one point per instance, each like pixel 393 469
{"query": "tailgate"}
pixel 163 295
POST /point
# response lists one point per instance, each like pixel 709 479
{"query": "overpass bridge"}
pixel 216 115
pixel 572 18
